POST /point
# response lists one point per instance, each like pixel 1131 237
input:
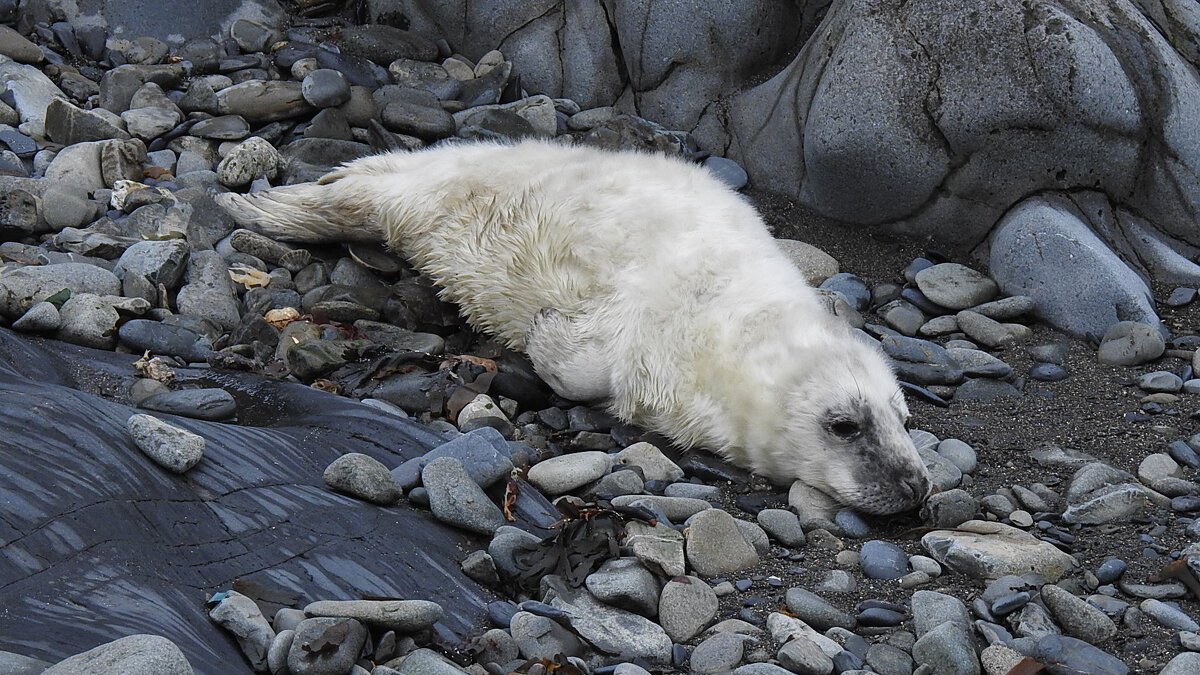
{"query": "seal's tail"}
pixel 330 210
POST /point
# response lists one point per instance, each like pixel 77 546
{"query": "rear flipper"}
pixel 337 208
pixel 573 366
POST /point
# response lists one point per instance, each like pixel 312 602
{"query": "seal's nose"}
pixel 916 487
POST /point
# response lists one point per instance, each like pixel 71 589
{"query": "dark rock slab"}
pixel 100 543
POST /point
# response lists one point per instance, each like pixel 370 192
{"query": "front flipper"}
pixel 572 364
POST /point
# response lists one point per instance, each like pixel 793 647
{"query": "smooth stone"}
pixel 325 88
pixel 209 292
pixel 325 646
pixel 483 452
pixel 559 475
pixel 159 261
pixel 950 508
pixel 402 616
pixel 720 653
pixel 260 101
pixel 165 339
pixel 816 265
pixel 947 643
pixel 653 463
pixel 985 390
pixel 457 500
pixel 1047 372
pixel 221 128
pixel 976 363
pixel 1066 654
pixel 716 546
pixel 675 509
pixel 539 637
pixel 1007 309
pixel 783 526
pixel 989 332
pixel 1160 381
pixel 241 616
pixel 364 477
pixel 1128 343
pixel 149 123
pixel 930 609
pixel 986 550
pixel 883 560
pixel 659 547
pixel 615 631
pixel 627 584
pixel 22 288
pixel 42 317
pixel 206 404
pixel 1106 504
pixel 1168 616
pixel 88 320
pixel 138 654
pixel 727 171
pixel 955 286
pixel 169 446
pixel 816 611
pixel 686 606
pixel 1186 663
pixel 803 657
pixel 961 454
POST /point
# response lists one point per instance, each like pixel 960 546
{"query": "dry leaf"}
pixel 249 277
pixel 281 317
pixel 154 368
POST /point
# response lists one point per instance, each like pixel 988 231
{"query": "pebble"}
pixel 816 611
pixel 803 657
pixel 959 453
pixel 989 332
pixel 686 606
pixel 248 160
pixel 1110 570
pixel 950 508
pixel 716 546
pixel 325 88
pixel 852 524
pixel 947 643
pixel 1071 655
pixel 653 463
pixel 883 560
pixel 1160 381
pixel 457 500
pixel 783 526
pixel 483 452
pixel 1047 372
pixel 22 288
pixel 1186 663
pixel 562 474
pixel 170 447
pixel 610 629
pixel 42 317
pixel 364 477
pixel 205 404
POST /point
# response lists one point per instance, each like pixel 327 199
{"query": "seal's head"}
pixel 844 430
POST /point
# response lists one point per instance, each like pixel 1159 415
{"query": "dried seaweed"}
pixel 586 536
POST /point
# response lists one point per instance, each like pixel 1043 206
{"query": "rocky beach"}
pixel 222 453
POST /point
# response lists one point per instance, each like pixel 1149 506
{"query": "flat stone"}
pixel 931 609
pixel 221 128
pixel 169 446
pixel 986 550
pixel 720 653
pixel 1168 616
pixel 783 526
pixel 816 611
pixel 1066 654
pixel 1107 504
pixel 660 548
pixel 259 101
pixel 559 475
pixel 803 657
pixel 615 631
pixel 481 452
pixel 205 404
pixel 989 332
pixel 675 509
pixel 402 616
pixel 955 286
pixel 539 637
pixel 883 560
pixel 150 122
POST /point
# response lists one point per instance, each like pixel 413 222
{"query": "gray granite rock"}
pixel 653 463
pixel 539 637
pixel 715 544
pixel 169 446
pixel 248 160
pixel 955 286
pixel 660 548
pixel 158 261
pixel 816 611
pixel 987 550
pixel 1128 343
pixel 564 473
pixel 88 320
pixel 625 583
pixel 803 657
pixel 783 526
pixel 325 646
pixel 24 287
pixel 947 643
pixel 131 655
pixel 208 291
pixel 720 653
pixel 613 630
pixel 686 606
pixel 261 101
pixel 361 476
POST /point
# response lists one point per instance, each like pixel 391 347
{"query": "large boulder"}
pixel 936 118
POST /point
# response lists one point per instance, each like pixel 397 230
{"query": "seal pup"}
pixel 636 279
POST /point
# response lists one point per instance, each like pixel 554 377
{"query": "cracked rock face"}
pixel 937 118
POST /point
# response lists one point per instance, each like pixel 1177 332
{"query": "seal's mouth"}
pixel 896 494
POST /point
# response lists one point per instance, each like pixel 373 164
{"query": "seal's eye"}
pixel 845 428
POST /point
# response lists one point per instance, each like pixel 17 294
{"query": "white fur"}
pixel 630 277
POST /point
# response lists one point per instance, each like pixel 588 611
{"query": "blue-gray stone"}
pixel 484 453
pixel 1047 372
pixel 1183 453
pixel 878 617
pixel 1061 653
pixel 165 339
pixel 883 560
pixel 849 285
pixel 852 524
pixel 1110 570
pixel 727 171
